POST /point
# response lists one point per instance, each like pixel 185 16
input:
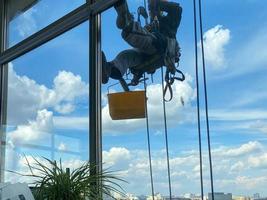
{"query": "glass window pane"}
pixel 25 17
pixel 236 63
pixel 125 142
pixel 236 72
pixel 47 104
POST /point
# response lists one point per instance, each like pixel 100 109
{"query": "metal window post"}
pixel 95 115
pixel 3 88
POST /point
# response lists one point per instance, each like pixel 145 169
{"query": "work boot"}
pixel 124 16
pixel 106 69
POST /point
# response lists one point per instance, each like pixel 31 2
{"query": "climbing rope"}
pixel 148 141
pixel 198 109
pixel 145 6
pixel 166 134
pixel 169 81
pixel 206 98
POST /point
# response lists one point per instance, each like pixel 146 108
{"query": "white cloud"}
pixel 77 123
pixel 68 86
pixel 237 114
pixel 229 165
pixel 73 163
pixel 117 157
pixel 244 149
pixel 231 173
pixel 62 146
pixel 258 161
pixel 249 55
pixel 65 108
pixel 34 130
pixel 260 126
pixel 26 23
pixel 176 112
pixel 215 40
pixel 250 182
pixel 26 96
pixel 28 102
pixel 237 167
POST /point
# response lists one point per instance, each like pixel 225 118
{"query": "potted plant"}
pixel 53 182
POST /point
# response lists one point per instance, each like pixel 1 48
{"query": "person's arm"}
pixel 173 10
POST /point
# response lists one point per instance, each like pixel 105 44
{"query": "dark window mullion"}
pixel 3 87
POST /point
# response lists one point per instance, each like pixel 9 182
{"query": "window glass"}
pixel 237 96
pixel 47 104
pixel 125 141
pixel 25 17
pixel 235 55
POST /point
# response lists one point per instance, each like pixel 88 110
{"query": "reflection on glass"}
pixel 25 17
pixel 236 74
pixel 47 104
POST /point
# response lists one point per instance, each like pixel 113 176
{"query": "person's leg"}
pixel 133 33
pixel 128 59
pixel 118 67
pixel 143 40
pixel 124 17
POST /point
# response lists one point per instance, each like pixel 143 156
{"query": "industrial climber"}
pixel 156 38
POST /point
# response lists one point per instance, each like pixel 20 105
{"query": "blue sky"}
pixel 48 90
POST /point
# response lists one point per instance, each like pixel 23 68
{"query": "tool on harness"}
pixel 154 10
pixel 142 12
pixel 169 80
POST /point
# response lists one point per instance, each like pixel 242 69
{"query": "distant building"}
pixel 256 196
pixel 195 197
pixel 176 198
pixel 120 197
pixel 220 196
pixel 241 198
pixel 189 195
pixel 142 197
pixel 156 197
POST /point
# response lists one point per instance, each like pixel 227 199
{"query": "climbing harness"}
pixel 155 61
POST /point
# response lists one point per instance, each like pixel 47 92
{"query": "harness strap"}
pixel 124 85
pixel 169 79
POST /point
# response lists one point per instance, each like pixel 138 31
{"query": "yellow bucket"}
pixel 127 105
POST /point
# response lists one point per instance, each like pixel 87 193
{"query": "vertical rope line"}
pixel 166 134
pixel 145 5
pixel 198 110
pixel 206 98
pixel 148 140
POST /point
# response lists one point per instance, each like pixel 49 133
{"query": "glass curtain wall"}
pixel 235 56
pixel 236 67
pixel 125 145
pixel 47 104
pixel 26 17
pixel 54 117
pixel 46 91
